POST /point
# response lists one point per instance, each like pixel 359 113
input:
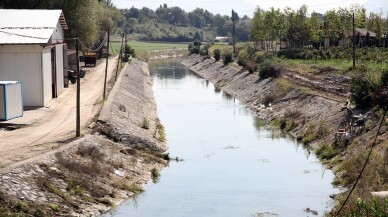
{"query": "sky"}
pixel 247 7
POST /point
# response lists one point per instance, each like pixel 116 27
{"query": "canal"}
pixel 232 165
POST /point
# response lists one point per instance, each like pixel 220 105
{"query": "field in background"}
pixel 141 46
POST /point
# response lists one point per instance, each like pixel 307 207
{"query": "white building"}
pixel 32 51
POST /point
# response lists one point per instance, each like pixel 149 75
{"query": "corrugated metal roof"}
pixel 29 26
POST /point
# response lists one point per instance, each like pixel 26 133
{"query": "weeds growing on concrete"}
pixel 155 174
pixel 54 207
pixel 161 133
pixel 145 124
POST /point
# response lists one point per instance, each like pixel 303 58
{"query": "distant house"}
pixel 32 48
pixel 222 39
pixel 347 41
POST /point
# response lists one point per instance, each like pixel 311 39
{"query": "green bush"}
pixel 217 54
pixel 128 51
pixel 251 66
pixel 308 138
pixel 268 70
pixel 326 152
pixel 227 57
pixel 361 89
pixel 195 47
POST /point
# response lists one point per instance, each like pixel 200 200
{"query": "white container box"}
pixel 11 100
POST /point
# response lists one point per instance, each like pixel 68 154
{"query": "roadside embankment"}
pixel 319 116
pixel 89 175
pixel 275 98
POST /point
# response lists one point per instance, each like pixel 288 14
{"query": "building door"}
pixel 53 73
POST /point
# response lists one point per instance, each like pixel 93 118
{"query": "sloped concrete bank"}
pixel 275 98
pixel 90 175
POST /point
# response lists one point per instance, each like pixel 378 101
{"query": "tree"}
pixel 315 26
pixel 333 25
pixel 257 33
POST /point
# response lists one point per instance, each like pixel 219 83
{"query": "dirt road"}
pixel 58 123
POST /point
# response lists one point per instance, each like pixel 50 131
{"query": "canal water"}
pixel 232 166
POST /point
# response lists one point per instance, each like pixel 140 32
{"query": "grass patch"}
pixel 161 134
pixel 326 152
pixel 124 185
pixel 145 124
pixel 74 188
pixel 144 46
pixel 54 207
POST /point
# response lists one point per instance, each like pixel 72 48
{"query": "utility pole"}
pixel 78 118
pixel 106 66
pixel 120 54
pixel 354 44
pixel 233 32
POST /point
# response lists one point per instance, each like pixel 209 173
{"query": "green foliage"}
pixel 361 89
pixel 128 51
pixel 195 47
pixel 326 152
pixel 309 134
pixel 308 138
pixel 369 207
pixel 145 124
pixel 74 187
pixel 19 205
pixel 217 54
pixel 204 51
pixel 227 57
pixel 161 133
pixel 174 24
pixel 54 207
pixel 124 185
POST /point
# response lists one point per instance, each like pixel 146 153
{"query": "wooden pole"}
pixel 354 44
pixel 106 67
pixel 234 40
pixel 78 118
pixel 120 54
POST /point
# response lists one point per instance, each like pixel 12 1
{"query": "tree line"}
pixel 89 19
pixel 297 29
pixel 174 24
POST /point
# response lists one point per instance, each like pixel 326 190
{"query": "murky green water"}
pixel 232 165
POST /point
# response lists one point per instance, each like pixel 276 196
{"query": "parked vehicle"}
pixel 73 75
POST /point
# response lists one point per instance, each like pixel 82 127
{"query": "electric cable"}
pixel 366 162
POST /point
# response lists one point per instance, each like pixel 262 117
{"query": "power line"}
pixel 366 162
pixel 43 38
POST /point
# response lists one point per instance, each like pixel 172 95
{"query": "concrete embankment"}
pixel 275 98
pixel 89 175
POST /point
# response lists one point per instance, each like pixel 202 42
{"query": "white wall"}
pixel 25 67
pixel 59 62
pixel 47 76
pixel 57 34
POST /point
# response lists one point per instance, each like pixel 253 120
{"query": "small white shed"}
pixel 32 51
pixel 11 100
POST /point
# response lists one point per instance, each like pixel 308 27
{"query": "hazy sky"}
pixel 247 7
